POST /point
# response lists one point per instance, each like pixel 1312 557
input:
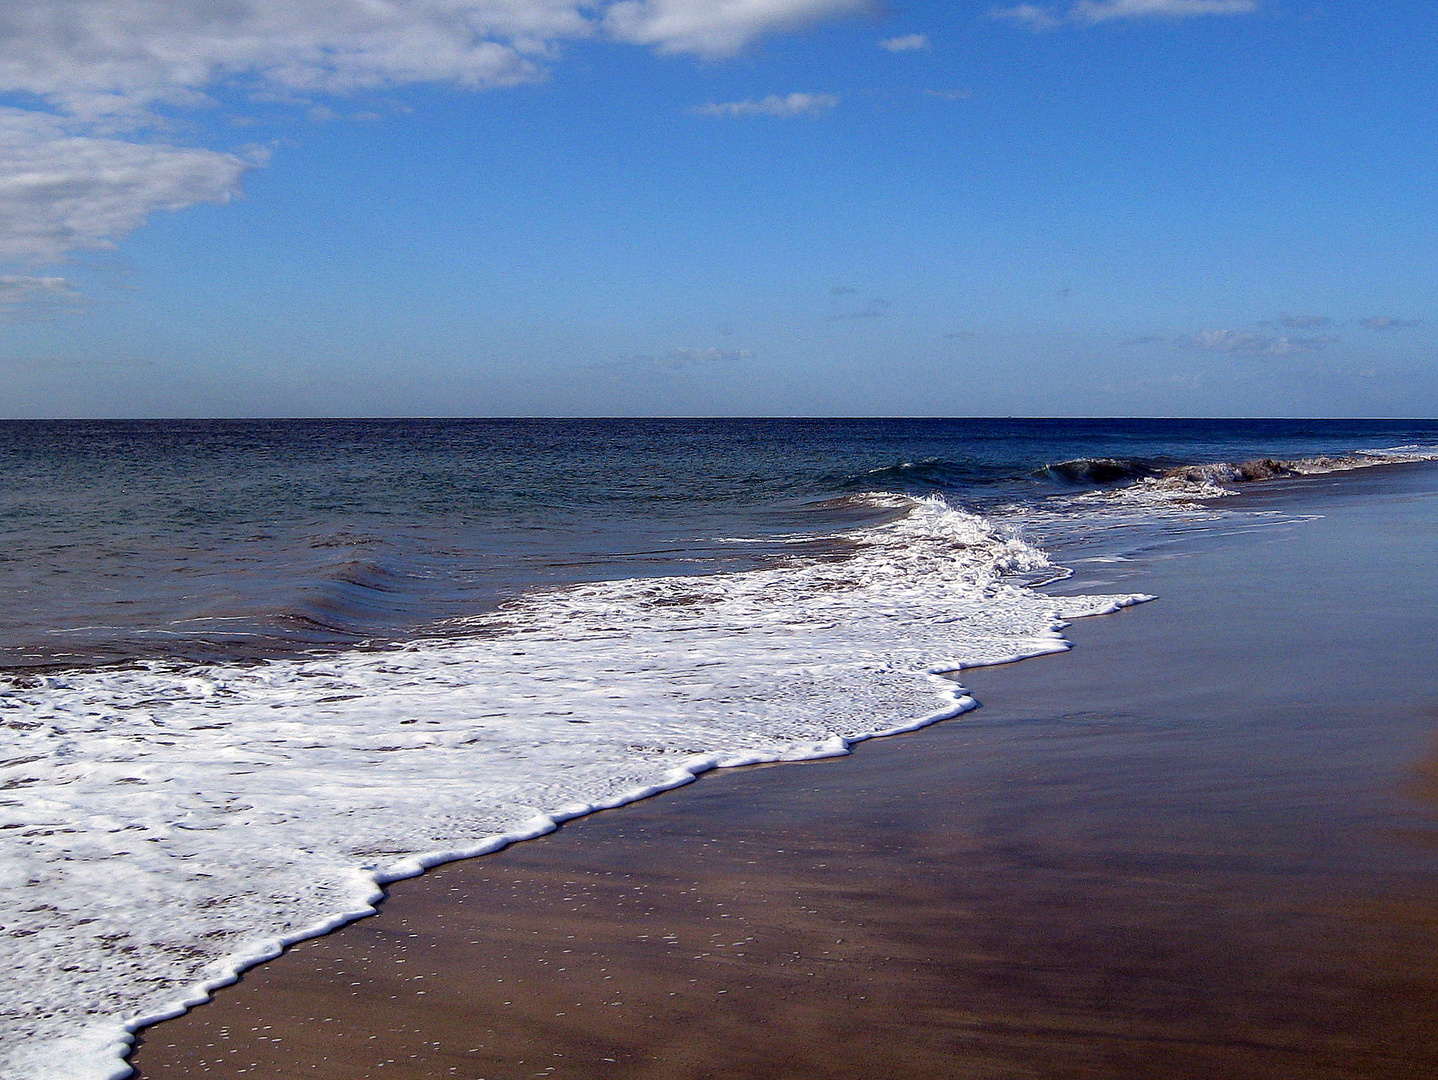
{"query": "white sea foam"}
pixel 1212 480
pixel 163 828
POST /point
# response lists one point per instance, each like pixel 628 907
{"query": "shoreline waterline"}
pixel 946 682
pixel 1094 765
pixel 174 821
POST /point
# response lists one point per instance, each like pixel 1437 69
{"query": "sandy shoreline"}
pixel 1203 843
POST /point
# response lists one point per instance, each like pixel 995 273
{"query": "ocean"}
pixel 252 670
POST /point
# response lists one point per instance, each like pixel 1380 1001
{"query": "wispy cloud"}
pixel 873 310
pixel 1303 322
pixel 25 297
pixel 1030 15
pixel 712 28
pixel 17 288
pixel 1093 12
pixel 773 105
pixel 906 43
pixel 1097 11
pixel 323 114
pixel 1387 322
pixel 950 95
pixel 1254 343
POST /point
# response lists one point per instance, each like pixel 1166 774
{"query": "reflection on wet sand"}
pixel 1201 845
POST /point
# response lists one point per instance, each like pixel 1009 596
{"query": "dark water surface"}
pixel 205 540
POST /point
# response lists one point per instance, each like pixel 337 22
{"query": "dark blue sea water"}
pixel 250 670
pixel 248 539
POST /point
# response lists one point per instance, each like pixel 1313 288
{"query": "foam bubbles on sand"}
pixel 165 827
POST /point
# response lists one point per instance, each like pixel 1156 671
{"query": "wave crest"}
pixel 1103 471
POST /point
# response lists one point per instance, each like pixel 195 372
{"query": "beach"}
pixel 678 539
pixel 1203 843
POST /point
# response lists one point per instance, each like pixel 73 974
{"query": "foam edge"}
pixel 941 675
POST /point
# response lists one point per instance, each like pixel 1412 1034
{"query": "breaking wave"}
pixel 176 824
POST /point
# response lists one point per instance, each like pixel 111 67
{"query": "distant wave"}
pixel 1088 473
pixel 1220 478
pixel 1103 471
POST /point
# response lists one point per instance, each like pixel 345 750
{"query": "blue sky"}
pixel 717 207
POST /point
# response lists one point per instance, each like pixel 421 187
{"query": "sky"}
pixel 718 207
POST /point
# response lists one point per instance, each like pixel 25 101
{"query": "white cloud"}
pixel 773 105
pixel 119 57
pixel 1092 12
pixel 1388 322
pixel 60 192
pixel 79 176
pixel 715 28
pixel 907 43
pixel 1096 11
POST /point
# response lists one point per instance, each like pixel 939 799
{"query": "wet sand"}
pixel 1204 843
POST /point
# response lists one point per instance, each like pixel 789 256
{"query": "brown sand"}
pixel 1203 844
